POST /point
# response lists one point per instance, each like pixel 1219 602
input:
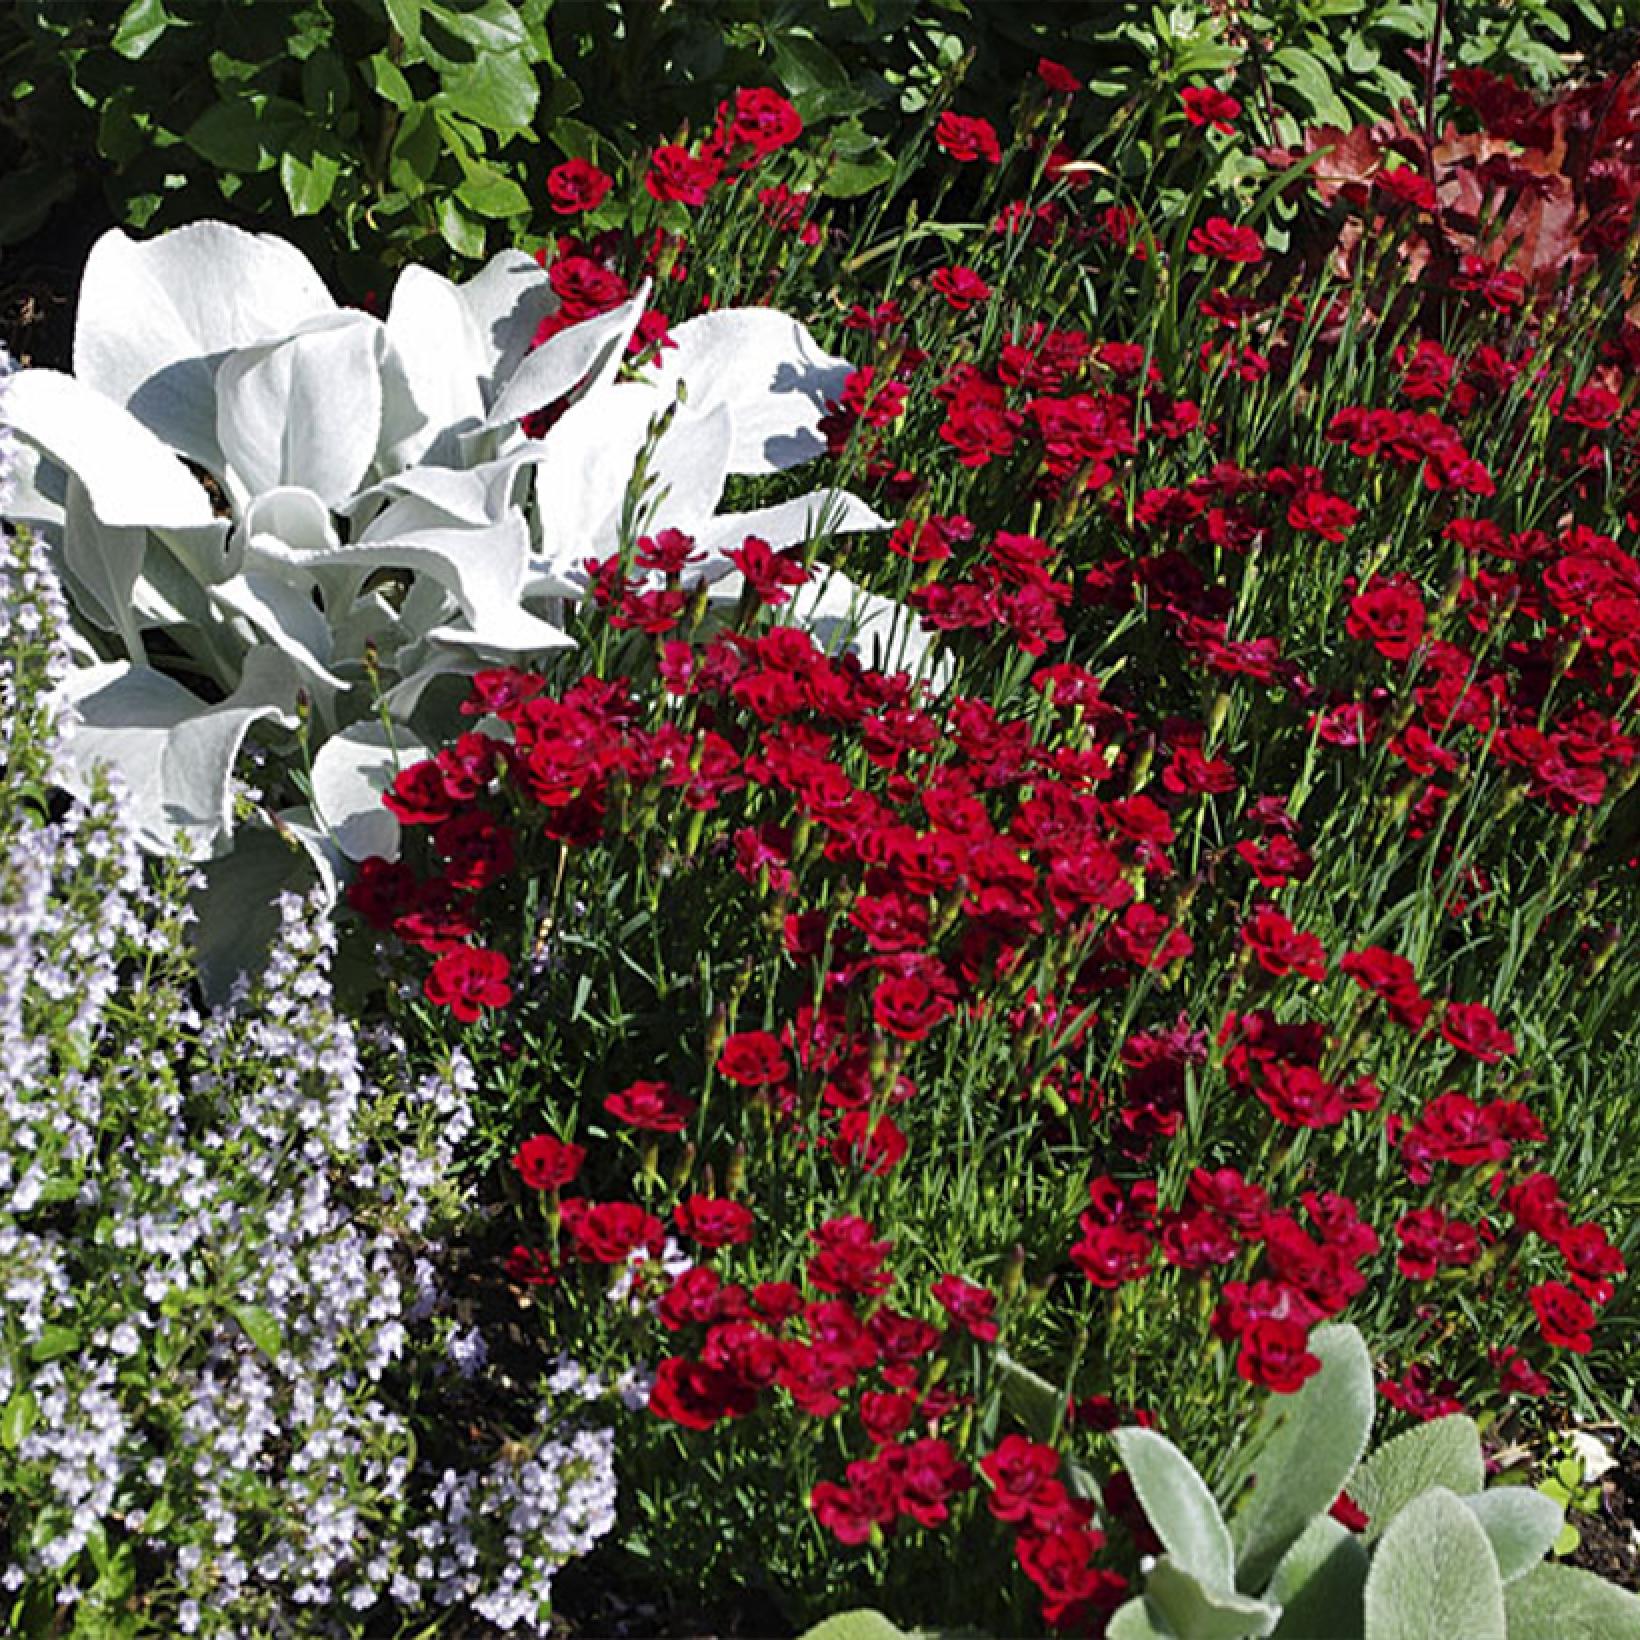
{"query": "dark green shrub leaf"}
pixel 459 231
pixel 405 16
pixel 248 133
pixel 415 151
pixel 489 193
pixel 1434 1575
pixel 490 26
pixel 140 25
pixel 308 175
pixel 388 82
pixel 499 91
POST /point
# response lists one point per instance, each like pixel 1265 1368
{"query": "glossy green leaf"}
pixel 459 231
pixel 140 25
pixel 308 175
pixel 53 1342
pixel 260 1327
pixel 499 91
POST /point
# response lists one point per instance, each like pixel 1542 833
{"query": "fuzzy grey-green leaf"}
pixel 1434 1576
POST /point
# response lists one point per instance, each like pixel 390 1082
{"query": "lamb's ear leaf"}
pixel 304 410
pixel 1555 1602
pixel 1179 1506
pixel 769 370
pixel 1306 1446
pixel 156 316
pixel 1318 1583
pixel 1189 1605
pixel 130 477
pixel 588 352
pixel 1434 1575
pixel 1520 1523
pixel 351 771
pixel 1444 1452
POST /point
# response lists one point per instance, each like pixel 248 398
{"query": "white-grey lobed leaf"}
pixel 351 771
pixel 291 515
pixel 456 342
pixel 842 615
pixel 285 616
pixel 788 524
pixel 304 409
pixel 586 354
pixel 39 491
pixel 767 368
pixel 156 315
pixel 104 561
pixel 130 477
pixel 590 463
pixel 482 568
pixel 175 751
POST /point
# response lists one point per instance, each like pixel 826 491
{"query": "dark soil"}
pixel 1611 1538
pixel 40 281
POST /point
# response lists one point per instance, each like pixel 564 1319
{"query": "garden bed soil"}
pixel 1611 1538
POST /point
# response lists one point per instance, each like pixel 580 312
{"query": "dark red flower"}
pixel 654 1106
pixel 753 1059
pixel 1206 105
pixel 1220 238
pixel 1472 1028
pixel 1564 1316
pixel 548 1163
pixel 675 174
pixel 465 981
pixel 713 1221
pixel 967 138
pixel 576 186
